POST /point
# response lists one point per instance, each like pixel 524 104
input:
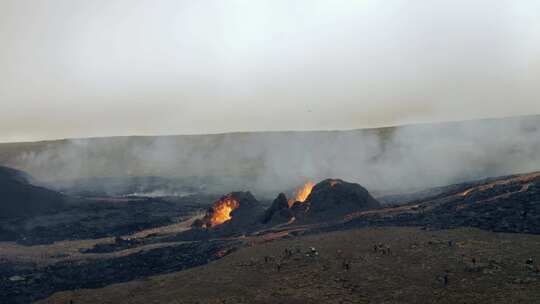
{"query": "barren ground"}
pixel 411 273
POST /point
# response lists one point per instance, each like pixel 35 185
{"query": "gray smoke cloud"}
pixel 391 159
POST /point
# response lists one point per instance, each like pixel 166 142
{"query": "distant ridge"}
pixel 377 129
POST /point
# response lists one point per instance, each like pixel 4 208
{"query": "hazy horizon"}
pixel 412 124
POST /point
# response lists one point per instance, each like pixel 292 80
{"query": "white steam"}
pixel 392 159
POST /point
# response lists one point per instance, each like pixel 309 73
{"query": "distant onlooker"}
pixel 346 265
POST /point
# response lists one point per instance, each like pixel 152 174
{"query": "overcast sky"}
pixel 110 67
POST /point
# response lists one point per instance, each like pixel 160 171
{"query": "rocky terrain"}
pixel 31 214
pixel 93 242
pixel 92 219
pixel 506 204
pixel 24 283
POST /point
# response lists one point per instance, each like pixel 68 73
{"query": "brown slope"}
pixel 408 275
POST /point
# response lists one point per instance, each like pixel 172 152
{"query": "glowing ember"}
pixel 302 194
pixel 222 210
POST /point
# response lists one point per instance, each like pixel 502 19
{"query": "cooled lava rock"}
pixel 41 282
pixel 507 205
pixel 334 198
pixel 20 198
pixel 278 212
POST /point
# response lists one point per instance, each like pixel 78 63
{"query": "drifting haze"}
pixel 123 67
pixel 391 159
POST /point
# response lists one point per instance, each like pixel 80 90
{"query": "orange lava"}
pixel 302 194
pixel 222 210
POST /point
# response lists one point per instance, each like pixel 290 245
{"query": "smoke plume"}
pixel 389 159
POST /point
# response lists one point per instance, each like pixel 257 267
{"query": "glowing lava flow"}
pixel 302 194
pixel 222 210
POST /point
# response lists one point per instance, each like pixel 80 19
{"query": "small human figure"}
pixel 530 263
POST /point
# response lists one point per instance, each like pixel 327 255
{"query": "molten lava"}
pixel 302 194
pixel 222 210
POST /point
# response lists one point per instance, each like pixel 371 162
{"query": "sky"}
pixel 74 68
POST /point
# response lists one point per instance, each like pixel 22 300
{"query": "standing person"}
pixel 345 265
pixel 530 263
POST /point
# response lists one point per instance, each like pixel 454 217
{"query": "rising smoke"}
pixel 389 159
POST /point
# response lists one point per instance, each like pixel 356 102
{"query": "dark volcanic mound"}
pixel 278 212
pixel 247 212
pixel 333 198
pixel 19 198
pixel 236 211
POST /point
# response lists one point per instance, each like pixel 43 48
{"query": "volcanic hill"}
pixel 20 198
pixel 328 200
pixel 233 211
